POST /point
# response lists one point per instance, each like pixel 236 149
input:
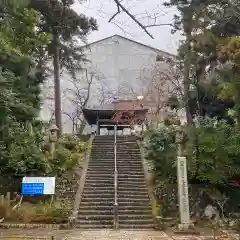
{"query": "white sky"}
pixel 102 10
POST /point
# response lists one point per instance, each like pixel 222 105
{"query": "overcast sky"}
pixel 102 10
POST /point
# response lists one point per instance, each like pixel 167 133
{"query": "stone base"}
pixel 185 226
pixel 186 229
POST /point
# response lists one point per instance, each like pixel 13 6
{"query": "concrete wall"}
pixel 120 67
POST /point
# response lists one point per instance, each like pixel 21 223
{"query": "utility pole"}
pixel 57 87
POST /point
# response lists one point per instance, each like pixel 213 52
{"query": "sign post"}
pixel 38 186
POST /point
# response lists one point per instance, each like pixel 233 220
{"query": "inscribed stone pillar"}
pixel 183 193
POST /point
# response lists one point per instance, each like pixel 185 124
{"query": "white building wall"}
pixel 119 65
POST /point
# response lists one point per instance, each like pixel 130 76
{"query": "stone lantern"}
pixel 53 135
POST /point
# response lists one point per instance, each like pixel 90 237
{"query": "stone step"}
pixel 130 195
pixel 140 208
pixel 99 177
pixel 98 191
pixel 136 221
pixel 97 208
pixel 109 141
pixel 132 169
pixel 111 138
pixel 90 171
pixel 95 216
pixel 97 184
pixel 96 222
pixel 135 178
pixel 99 188
pixel 128 161
pixel 135 226
pixel 136 175
pixel 98 199
pixel 121 169
pixel 132 165
pixel 98 172
pixel 136 217
pixel 107 158
pixel 134 202
pixel 96 156
pixel 128 185
pixel 132 189
pixel 101 163
pixel 95 212
pixel 131 180
pixel 96 203
pixel 87 226
pixel 120 146
pixel 99 181
pixel 140 201
pixel 137 169
pixel 95 195
pixel 111 151
pixel 140 211
pixel 130 172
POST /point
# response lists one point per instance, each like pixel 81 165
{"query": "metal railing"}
pixel 115 207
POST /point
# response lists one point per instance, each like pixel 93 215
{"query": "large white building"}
pixel 118 67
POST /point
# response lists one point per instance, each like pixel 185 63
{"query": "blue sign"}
pixel 32 188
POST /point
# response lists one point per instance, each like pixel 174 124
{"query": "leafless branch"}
pixel 118 12
pixel 120 8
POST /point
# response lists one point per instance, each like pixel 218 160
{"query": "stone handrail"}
pixel 81 183
pixel 115 207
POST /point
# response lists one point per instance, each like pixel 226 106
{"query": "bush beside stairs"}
pixel 96 207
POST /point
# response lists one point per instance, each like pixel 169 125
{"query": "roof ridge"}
pixel 128 39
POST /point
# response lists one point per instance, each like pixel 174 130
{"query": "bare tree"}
pixel 78 95
pixel 152 18
pixel 105 94
pixel 164 81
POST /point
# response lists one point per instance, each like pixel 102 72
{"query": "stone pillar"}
pixel 183 200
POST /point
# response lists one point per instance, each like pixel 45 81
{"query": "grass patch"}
pixel 41 213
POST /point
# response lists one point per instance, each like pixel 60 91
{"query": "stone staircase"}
pixel 133 199
pixel 96 208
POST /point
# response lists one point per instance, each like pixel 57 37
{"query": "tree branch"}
pixel 159 25
pixel 120 6
pixel 144 27
pixel 118 12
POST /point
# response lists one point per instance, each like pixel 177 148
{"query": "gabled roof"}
pixel 130 40
pixel 121 105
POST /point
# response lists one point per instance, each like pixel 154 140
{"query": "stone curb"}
pixel 33 226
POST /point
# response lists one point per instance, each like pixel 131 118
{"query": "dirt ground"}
pixel 76 234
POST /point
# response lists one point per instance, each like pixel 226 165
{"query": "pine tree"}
pixel 67 28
